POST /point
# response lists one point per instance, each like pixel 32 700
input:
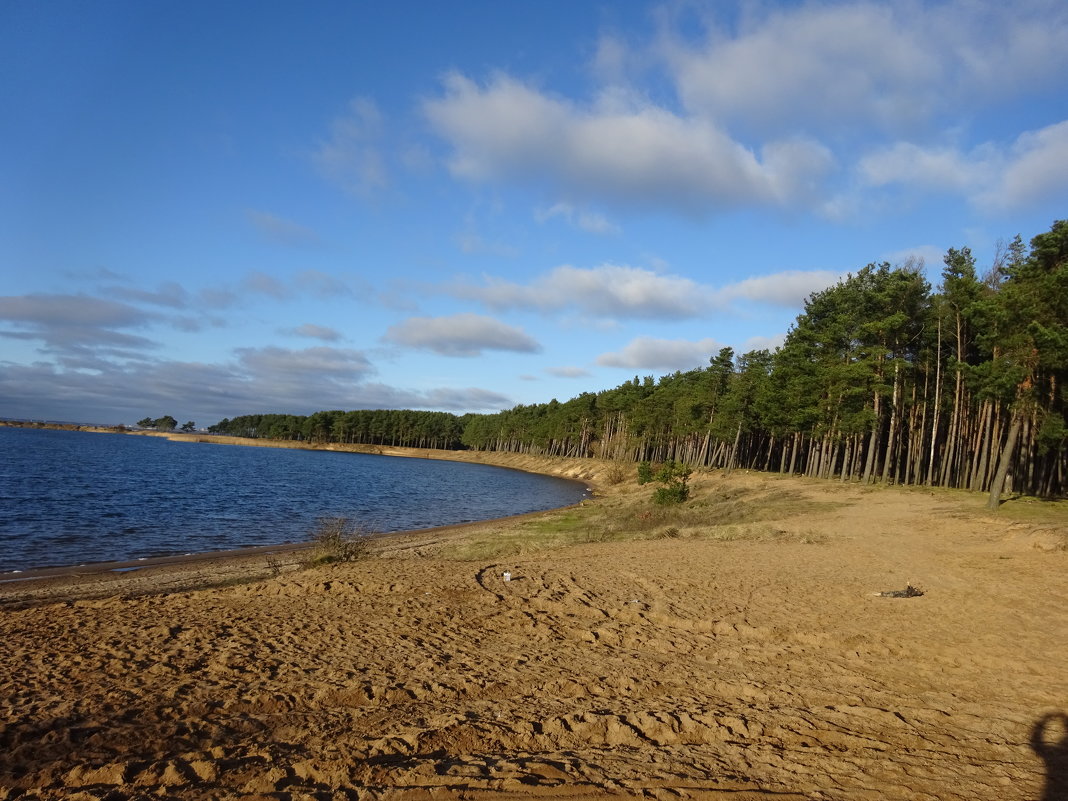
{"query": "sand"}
pixel 744 655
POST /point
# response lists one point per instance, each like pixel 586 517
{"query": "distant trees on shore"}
pixel 394 427
pixel 880 379
pixel 165 423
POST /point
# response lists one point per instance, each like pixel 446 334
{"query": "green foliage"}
pixel 165 423
pixel 189 426
pixel 674 476
pixel 676 492
pixel 879 379
pixel 645 472
pixel 393 427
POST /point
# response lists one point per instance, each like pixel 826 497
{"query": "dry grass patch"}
pixel 719 510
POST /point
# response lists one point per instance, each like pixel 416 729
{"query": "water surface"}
pixel 73 497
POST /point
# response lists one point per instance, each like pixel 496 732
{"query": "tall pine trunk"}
pixel 998 483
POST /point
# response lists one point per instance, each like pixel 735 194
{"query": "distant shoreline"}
pixel 591 470
pixel 182 568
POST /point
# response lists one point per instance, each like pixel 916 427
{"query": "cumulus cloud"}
pixel 661 354
pixel 1032 168
pixel 609 290
pixel 352 156
pixel 941 168
pixel 615 150
pixel 460 335
pixel 622 292
pixel 889 65
pixel 788 288
pixel 755 99
pixel 1036 169
pixel 816 64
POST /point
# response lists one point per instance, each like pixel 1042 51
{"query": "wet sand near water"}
pixel 739 651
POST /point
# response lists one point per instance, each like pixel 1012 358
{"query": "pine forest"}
pixel 880 379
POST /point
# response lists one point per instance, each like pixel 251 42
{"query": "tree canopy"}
pixel 880 379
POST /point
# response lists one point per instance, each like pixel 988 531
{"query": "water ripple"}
pixel 72 497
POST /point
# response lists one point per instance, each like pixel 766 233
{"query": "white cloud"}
pixel 1036 169
pixel 615 291
pixel 762 343
pixel 788 288
pixel 817 65
pixel 894 65
pixel 661 354
pixel 609 290
pixel 458 399
pixel 588 221
pixel 929 256
pixel 945 169
pixel 615 150
pixel 352 157
pixel 474 244
pixel 1033 168
pixel 460 335
pixel 567 372
pixel 259 380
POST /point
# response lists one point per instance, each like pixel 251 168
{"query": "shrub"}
pixel 676 492
pixel 673 475
pixel 645 472
pixel 616 474
pixel 339 540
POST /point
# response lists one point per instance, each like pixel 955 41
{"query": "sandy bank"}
pixel 734 649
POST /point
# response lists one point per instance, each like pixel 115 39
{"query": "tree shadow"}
pixel 1049 740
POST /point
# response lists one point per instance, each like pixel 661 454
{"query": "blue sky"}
pixel 213 209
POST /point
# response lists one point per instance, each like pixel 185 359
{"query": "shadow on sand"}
pixel 1049 739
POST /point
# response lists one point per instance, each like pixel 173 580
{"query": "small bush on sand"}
pixel 645 472
pixel 673 475
pixel 616 473
pixel 339 539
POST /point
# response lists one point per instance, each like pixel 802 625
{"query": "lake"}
pixel 73 497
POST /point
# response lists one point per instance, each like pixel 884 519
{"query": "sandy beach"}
pixel 736 647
